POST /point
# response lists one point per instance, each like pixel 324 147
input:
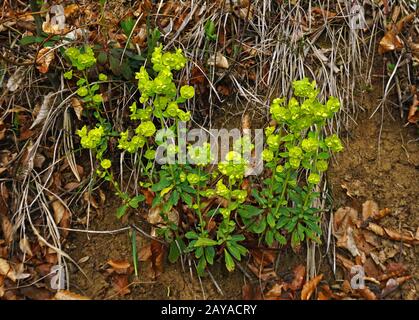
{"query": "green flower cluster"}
pixel 200 155
pixel 300 116
pixel 81 59
pixel 91 139
pixel 167 61
pixel 333 142
pixel 130 144
pixel 234 166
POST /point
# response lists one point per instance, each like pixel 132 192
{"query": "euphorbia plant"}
pixel 294 145
pixel 295 148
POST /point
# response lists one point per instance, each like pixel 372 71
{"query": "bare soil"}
pixel 381 163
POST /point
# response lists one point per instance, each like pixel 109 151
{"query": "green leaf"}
pixel 186 197
pixel 295 240
pixel 133 203
pixel 102 57
pixel 287 138
pixel 210 30
pixel 165 190
pixel 258 198
pixel 248 211
pixel 230 265
pixel 209 254
pixel 81 82
pixel 127 25
pixel 126 71
pixel 300 230
pixel 199 252
pixel 174 197
pixel 174 252
pixel 237 237
pixel 30 40
pixel 269 237
pixel 280 238
pixel 259 227
pixel 191 235
pixel 323 156
pixel 313 226
pixel 205 242
pixel 121 211
pixel 114 65
pixel 163 183
pixel 270 219
pixel 202 264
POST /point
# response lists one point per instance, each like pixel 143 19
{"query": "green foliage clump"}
pixel 293 148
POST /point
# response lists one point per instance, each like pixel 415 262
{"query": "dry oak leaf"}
pixel 77 107
pixel 413 115
pixel 158 251
pixel 391 234
pixel 68 295
pixel 6 226
pixel 121 284
pixel 366 293
pixel 299 277
pixel 7 270
pixel 310 286
pixel 345 222
pixel 275 292
pixel 390 42
pixel 44 59
pixel 119 266
pixel 369 209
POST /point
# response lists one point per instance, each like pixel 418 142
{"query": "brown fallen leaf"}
pixel 299 277
pixel 144 253
pixel 149 196
pixel 390 42
pixel 16 80
pixel 393 235
pixel 327 294
pixel 248 291
pixel 6 226
pixel 366 293
pixel 392 285
pixel 25 247
pixel 71 186
pixel 34 293
pixel 263 258
pixel 393 270
pixel 7 270
pixel 121 284
pixel 345 223
pixel 158 251
pixel 348 264
pixel 413 115
pixel 68 295
pixel 44 59
pixel 119 266
pixel 62 216
pixel 275 292
pixel 70 10
pixel 77 107
pixel 263 274
pixel 369 209
pixel 310 286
